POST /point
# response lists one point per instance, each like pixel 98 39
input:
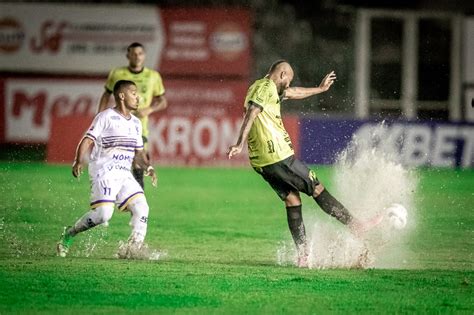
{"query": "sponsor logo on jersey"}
pixel 118 167
pixel 122 157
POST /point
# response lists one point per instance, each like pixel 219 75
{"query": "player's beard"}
pixel 281 89
pixel 136 64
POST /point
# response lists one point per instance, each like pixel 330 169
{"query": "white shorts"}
pixel 119 191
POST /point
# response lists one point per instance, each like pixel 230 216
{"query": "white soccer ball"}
pixel 397 216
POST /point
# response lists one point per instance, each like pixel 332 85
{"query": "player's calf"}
pixel 92 218
pixel 330 205
pixel 298 232
pixel 139 222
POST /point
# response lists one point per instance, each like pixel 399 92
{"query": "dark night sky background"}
pixel 309 8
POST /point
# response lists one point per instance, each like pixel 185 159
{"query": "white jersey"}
pixel 116 138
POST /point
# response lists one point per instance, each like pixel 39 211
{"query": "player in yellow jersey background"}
pixel 150 88
pixel 271 153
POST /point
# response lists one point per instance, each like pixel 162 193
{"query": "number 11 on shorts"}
pixel 107 191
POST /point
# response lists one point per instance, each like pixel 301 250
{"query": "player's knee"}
pixel 139 206
pixel 103 213
pixel 318 189
pixel 293 199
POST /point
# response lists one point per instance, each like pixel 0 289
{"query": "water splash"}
pixel 92 241
pixel 367 179
pixel 286 253
pixel 126 250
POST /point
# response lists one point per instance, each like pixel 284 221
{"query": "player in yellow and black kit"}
pixel 150 89
pixel 271 153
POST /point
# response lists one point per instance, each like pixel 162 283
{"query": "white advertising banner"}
pixel 30 104
pixel 75 39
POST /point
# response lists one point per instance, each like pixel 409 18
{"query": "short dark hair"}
pixel 134 45
pixel 120 85
pixel 275 64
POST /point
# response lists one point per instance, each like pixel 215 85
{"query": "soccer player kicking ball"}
pixel 271 153
pixel 115 138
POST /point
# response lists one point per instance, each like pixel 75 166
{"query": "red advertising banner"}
pixel 202 120
pixel 206 42
pixel 66 132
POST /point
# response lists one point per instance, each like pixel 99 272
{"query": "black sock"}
pixel 331 206
pixel 296 225
pixel 138 173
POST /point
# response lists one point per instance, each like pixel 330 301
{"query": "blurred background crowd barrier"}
pixel 412 67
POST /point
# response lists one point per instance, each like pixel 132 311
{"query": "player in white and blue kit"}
pixel 115 138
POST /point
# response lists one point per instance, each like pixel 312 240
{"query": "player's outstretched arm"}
pixel 142 161
pixel 297 93
pixel 252 111
pixel 83 148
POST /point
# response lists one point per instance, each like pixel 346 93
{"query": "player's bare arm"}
pixel 142 161
pixel 104 101
pixel 158 103
pixel 252 112
pixel 297 93
pixel 82 150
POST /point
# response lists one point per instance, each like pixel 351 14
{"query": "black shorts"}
pixel 289 175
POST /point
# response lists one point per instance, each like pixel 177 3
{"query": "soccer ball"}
pixel 397 216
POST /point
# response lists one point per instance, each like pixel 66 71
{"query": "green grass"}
pixel 221 229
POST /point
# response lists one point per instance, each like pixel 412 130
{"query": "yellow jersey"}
pixel 149 85
pixel 268 141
